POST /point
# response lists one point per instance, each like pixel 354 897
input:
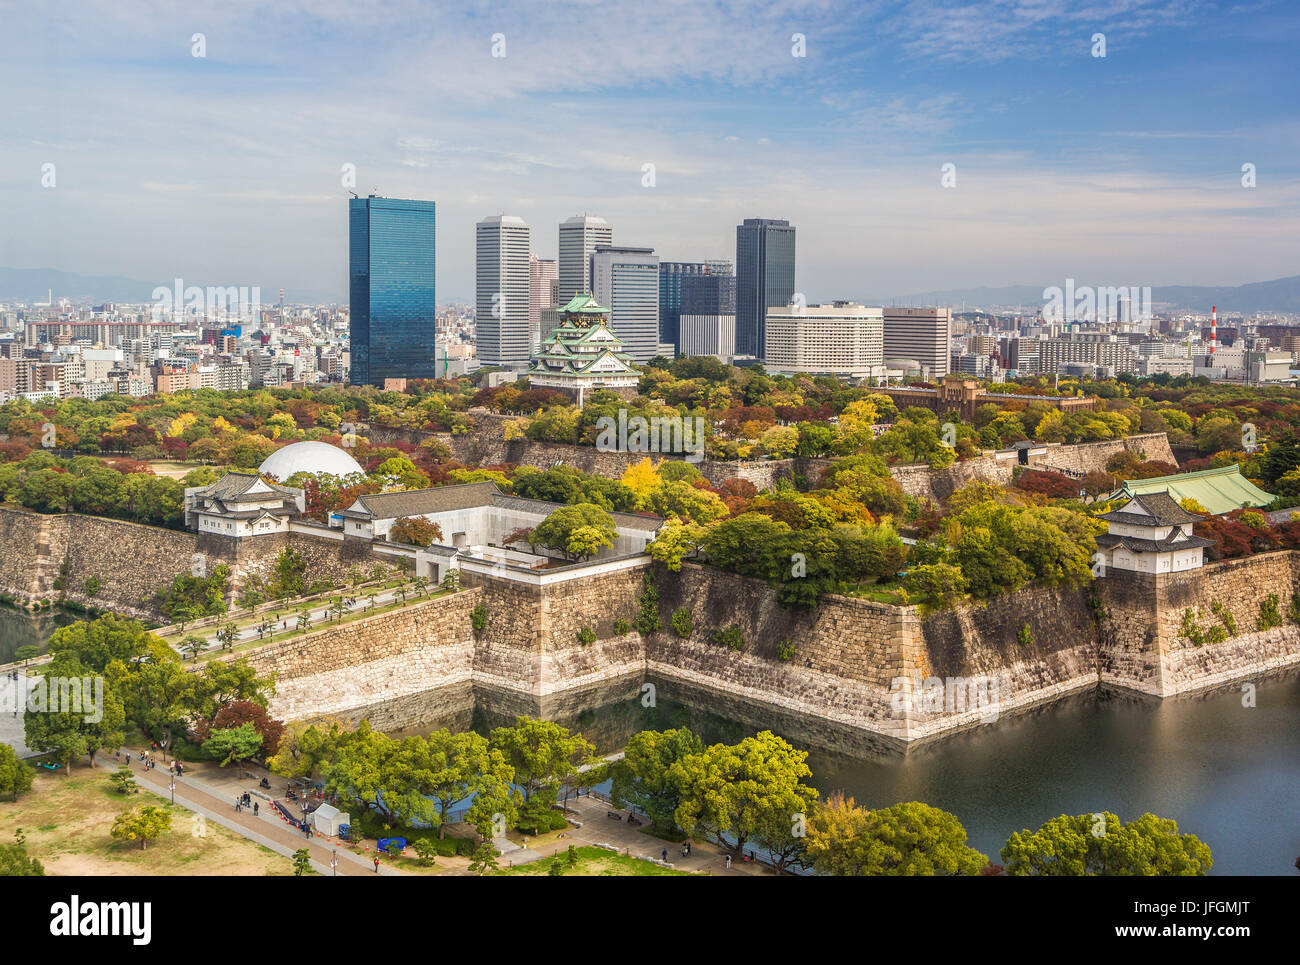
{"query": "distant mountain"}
pixel 1278 295
pixel 34 284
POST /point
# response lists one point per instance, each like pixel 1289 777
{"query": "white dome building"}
pixel 316 458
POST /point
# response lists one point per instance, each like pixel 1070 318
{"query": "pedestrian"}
pixel 728 862
pixel 376 864
pixel 239 807
pixel 665 855
pixel 254 809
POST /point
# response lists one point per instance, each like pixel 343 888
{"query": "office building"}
pixel 923 335
pixel 843 339
pixel 708 335
pixel 543 280
pixel 695 288
pixel 627 280
pixel 764 278
pixel 503 290
pixel 392 289
pixel 579 238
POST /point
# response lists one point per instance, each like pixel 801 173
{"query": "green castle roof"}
pixel 1218 490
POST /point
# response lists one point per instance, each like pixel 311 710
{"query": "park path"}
pixel 265 829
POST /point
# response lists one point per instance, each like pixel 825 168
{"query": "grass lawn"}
pixel 67 822
pixel 595 861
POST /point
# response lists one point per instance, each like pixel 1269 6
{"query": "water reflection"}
pixel 19 628
pixel 1226 772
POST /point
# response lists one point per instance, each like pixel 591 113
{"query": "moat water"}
pixel 19 628
pixel 1228 773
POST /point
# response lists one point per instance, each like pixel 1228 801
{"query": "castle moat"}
pixel 1223 771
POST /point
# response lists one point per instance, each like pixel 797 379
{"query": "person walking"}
pixel 255 809
pixel 376 864
pixel 665 855
pixel 728 862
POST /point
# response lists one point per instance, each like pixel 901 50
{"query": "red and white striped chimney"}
pixel 1214 328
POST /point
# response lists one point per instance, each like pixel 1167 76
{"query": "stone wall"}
pixel 936 486
pixel 355 668
pixel 1088 456
pixel 131 562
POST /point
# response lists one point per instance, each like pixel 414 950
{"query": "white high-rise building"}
pixel 579 237
pixel 627 281
pixel 503 290
pixel 542 272
pixel 920 334
pixel 843 339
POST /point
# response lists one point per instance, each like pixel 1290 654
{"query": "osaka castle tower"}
pixel 582 354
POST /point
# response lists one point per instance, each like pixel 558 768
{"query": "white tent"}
pixel 327 819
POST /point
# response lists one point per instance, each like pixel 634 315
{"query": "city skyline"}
pixel 1124 169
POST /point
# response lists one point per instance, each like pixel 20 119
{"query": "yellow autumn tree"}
pixel 180 424
pixel 642 478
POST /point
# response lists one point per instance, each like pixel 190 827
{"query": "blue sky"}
pixel 226 169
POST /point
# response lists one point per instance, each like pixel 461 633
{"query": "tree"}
pixel 425 852
pixel 741 791
pixel 577 531
pixel 641 778
pixel 142 823
pixel 676 540
pixel 14 861
pixel 462 765
pixel 301 862
pixel 233 744
pixel 1102 844
pixel 542 753
pixel 415 531
pixel 193 644
pixel 73 713
pixel 906 839
pixel 16 776
pixel 123 780
pixel 483 860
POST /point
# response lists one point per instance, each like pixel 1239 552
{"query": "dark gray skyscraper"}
pixel 764 278
pixel 391 289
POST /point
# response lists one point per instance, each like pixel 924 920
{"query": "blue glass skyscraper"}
pixel 764 278
pixel 392 289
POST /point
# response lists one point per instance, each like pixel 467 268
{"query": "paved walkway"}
pixel 319 614
pixel 13 704
pixel 266 829
pixel 600 829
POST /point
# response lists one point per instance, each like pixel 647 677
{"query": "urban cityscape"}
pixel 778 455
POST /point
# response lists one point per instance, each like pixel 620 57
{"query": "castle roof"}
pixel 1150 509
pixel 1219 490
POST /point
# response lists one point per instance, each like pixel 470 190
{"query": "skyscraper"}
pixel 920 334
pixel 764 278
pixel 693 288
pixel 541 272
pixel 391 289
pixel 502 290
pixel 579 237
pixel 627 280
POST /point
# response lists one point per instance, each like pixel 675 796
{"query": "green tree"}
pixel 142 823
pixel 576 531
pixel 483 860
pixel 233 744
pixel 123 780
pixel 906 839
pixel 734 792
pixel 301 862
pixel 15 862
pixel 16 775
pixel 641 778
pixel 1101 844
pixel 542 753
